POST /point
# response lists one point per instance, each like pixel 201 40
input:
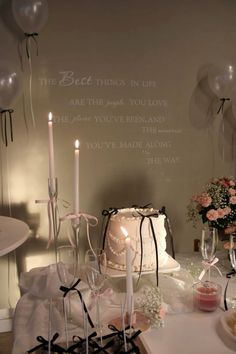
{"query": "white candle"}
pixel 76 178
pixel 51 154
pixel 129 279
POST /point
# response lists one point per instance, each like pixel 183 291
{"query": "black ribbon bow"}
pixel 33 36
pixel 5 114
pixel 221 108
pixel 80 343
pixel 45 344
pixel 107 213
pixel 118 340
pixel 73 287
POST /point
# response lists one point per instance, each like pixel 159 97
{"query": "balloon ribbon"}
pixel 28 36
pixel 221 108
pixel 4 117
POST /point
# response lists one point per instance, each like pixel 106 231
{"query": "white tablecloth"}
pixel 194 332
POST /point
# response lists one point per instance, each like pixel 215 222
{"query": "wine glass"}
pixel 67 269
pixel 208 245
pixel 95 269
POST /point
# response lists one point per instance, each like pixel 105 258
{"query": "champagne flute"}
pixel 232 250
pixel 208 245
pixel 232 255
pixel 95 269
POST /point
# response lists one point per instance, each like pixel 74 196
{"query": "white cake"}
pixel 130 219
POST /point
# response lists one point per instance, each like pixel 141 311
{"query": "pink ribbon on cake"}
pixel 207 266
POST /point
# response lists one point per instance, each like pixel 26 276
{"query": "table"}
pixel 194 332
pixel 13 233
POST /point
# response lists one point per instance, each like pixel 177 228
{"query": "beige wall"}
pixel 144 115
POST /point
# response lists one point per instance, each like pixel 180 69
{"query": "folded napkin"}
pixel 42 297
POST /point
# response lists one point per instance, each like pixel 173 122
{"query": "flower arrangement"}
pixel 216 204
pixel 151 304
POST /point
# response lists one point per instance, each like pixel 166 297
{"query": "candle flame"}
pixel 125 232
pixel 76 143
pixel 50 116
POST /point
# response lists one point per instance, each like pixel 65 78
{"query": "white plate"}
pixel 171 266
pixel 224 322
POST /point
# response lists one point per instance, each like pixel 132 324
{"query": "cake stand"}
pixel 170 266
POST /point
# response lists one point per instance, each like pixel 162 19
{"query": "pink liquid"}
pixel 206 299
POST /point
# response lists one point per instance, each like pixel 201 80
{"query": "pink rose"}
pixel 204 199
pixel 232 200
pixel 212 215
pixel 227 210
pixel 232 191
pixel 221 213
pixel 231 183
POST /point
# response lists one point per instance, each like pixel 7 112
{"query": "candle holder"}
pixel 206 296
pixel 53 213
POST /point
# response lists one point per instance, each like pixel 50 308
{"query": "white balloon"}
pixel 30 15
pixel 10 85
pixel 221 80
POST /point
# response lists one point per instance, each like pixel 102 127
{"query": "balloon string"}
pixel 28 47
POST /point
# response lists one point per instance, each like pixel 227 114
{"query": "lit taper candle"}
pixel 51 154
pixel 129 279
pixel 76 178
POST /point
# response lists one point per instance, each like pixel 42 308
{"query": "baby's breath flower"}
pixel 150 303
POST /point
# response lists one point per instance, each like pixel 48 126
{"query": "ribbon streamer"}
pixel 4 117
pixel 107 213
pixel 207 266
pixel 44 344
pixel 89 219
pixel 27 43
pixel 169 230
pixel 28 37
pixel 149 217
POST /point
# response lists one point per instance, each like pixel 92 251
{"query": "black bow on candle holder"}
pixel 45 345
pixel 73 287
pixel 117 343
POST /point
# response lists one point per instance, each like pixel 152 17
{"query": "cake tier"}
pixel 130 219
